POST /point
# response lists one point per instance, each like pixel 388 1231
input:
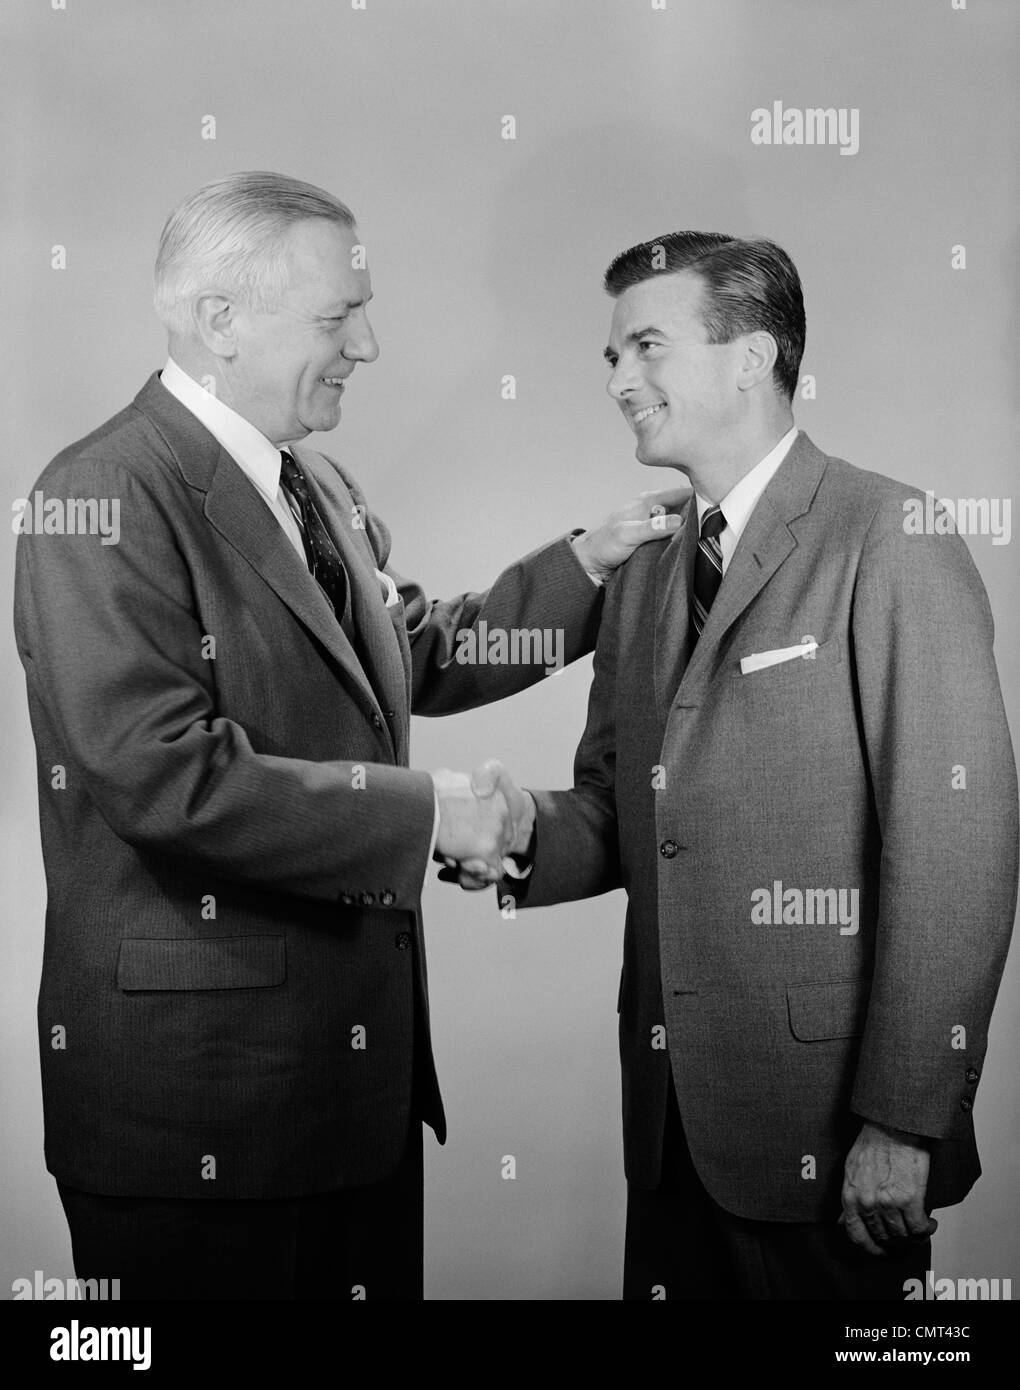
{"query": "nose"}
pixel 622 380
pixel 361 345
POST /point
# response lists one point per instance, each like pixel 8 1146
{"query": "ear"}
pixel 758 357
pixel 213 316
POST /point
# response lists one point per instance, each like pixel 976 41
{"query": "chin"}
pixel 304 429
pixel 655 460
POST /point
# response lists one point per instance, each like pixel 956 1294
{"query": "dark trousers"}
pixel 681 1244
pixel 357 1242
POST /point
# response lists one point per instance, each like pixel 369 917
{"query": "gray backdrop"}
pixel 486 254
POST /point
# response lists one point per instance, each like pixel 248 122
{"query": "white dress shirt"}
pixel 743 497
pixel 259 460
pixel 256 456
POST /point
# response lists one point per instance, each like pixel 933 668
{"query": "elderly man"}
pixel 233 1015
pixel 797 764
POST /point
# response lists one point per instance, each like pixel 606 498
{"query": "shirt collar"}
pixel 257 456
pixel 743 497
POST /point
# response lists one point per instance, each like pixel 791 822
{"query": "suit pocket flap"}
pixel 827 1009
pixel 225 962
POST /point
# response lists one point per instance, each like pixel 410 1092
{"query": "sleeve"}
pixel 944 783
pixel 576 846
pixel 113 646
pixel 540 614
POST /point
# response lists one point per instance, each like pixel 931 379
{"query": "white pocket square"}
pixel 757 661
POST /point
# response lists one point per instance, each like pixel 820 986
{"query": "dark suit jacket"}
pixel 882 764
pixel 235 851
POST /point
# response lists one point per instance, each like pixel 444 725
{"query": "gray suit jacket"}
pixel 234 967
pixel 881 765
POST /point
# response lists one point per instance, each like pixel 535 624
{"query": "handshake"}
pixel 482 818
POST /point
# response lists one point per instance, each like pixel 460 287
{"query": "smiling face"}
pixel 677 391
pixel 288 372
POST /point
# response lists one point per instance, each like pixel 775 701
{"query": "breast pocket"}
pixel 794 673
pixel 197 963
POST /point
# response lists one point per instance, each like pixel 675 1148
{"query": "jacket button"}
pixel 403 940
pixel 972 1075
pixel 347 899
pixel 387 897
pixel 366 899
pixel 377 720
pixel 668 849
pixel 966 1103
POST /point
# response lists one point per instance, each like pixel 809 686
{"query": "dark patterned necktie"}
pixel 323 558
pixel 707 568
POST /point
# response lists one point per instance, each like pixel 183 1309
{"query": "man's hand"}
pixel 481 818
pixel 644 519
pixel 489 783
pixel 885 1178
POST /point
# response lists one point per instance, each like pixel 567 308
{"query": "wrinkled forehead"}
pixel 669 303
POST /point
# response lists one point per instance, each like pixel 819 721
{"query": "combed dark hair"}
pixel 750 286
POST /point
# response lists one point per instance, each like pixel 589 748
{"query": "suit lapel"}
pixel 235 508
pixel 767 541
pixel 373 621
pixel 762 548
pixel 674 574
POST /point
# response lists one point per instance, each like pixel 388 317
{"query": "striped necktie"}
pixel 707 568
pixel 323 558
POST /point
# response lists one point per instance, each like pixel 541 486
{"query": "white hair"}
pixel 229 236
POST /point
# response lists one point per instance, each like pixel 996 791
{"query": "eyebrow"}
pixel 636 336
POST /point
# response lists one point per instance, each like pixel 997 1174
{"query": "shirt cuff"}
pixel 596 579
pixel 519 866
pixel 513 868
